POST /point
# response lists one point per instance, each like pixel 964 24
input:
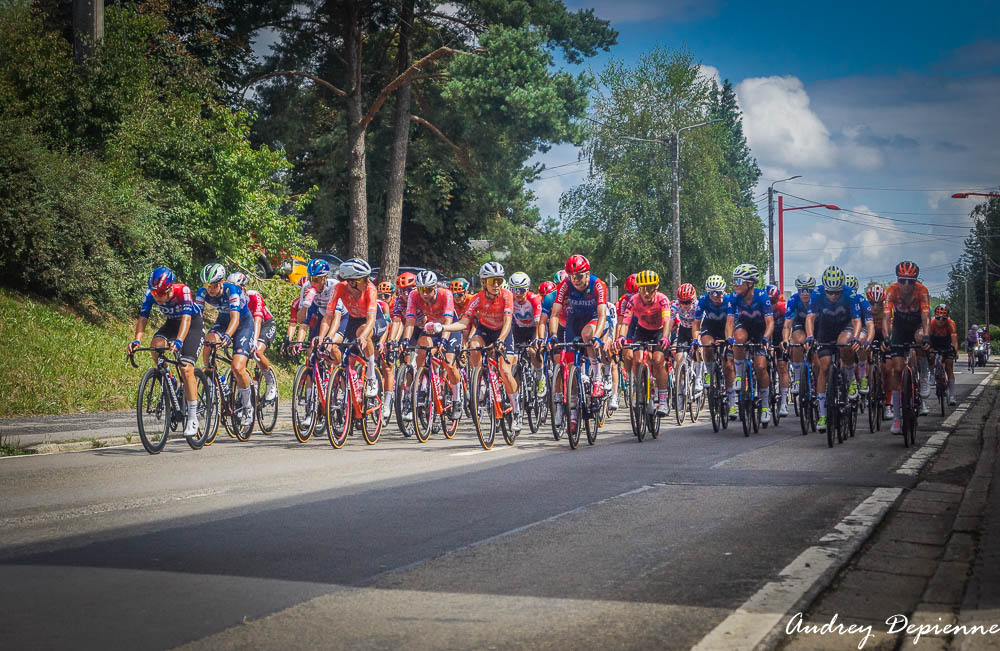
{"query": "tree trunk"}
pixel 357 190
pixel 397 158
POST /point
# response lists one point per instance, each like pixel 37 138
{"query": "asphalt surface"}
pixel 277 544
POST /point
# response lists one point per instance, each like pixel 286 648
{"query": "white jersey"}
pixel 309 296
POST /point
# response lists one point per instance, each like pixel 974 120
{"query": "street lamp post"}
pixel 770 225
pixel 965 279
pixel 677 200
pixel 986 260
pixel 781 234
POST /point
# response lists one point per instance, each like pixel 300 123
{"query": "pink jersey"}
pixel 442 306
pixel 651 315
pixel 490 314
pixel 358 307
pixel 529 312
pixel 256 304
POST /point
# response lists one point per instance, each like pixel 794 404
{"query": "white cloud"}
pixel 780 126
pixel 710 73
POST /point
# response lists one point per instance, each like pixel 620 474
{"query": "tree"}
pixel 982 250
pixel 737 163
pixel 627 203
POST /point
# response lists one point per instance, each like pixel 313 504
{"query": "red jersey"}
pixel 294 316
pixel 436 311
pixel 490 314
pixel 358 307
pixel 256 304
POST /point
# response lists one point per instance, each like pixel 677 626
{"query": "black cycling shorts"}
pixel 191 347
pixel 524 334
pixel 904 331
pixel 268 330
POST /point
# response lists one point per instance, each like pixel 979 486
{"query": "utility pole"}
pixel 770 225
pixel 88 27
pixel 676 246
pixel 986 283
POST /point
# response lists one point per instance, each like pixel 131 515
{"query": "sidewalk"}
pixel 934 561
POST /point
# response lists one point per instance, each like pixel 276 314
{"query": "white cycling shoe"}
pixel 191 428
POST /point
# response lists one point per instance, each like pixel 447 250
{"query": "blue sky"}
pixel 903 97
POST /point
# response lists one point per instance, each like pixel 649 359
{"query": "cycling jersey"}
pixel 293 316
pixel 755 311
pixel 582 305
pixel 488 313
pixel 684 316
pixel 878 311
pixel 942 328
pixel 652 315
pixel 179 303
pixel 528 312
pixel 397 308
pixel 864 308
pixel 230 299
pixel 360 306
pixel 440 308
pixel 317 300
pixel 832 317
pixel 257 307
pixel 625 307
pixel 972 337
pixel 796 309
pixel 461 305
pixel 918 304
pixel 547 304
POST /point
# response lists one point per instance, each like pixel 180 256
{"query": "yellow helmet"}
pixel 647 277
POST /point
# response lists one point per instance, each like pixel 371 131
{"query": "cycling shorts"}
pixel 640 335
pixel 715 328
pixel 943 346
pixel 754 330
pixel 798 323
pixel 268 330
pixel 243 343
pixel 191 347
pixel 349 327
pixel 524 334
pixel 904 331
pixel 452 340
pixel 491 336
pixel 829 330
pixel 682 336
pixel 575 326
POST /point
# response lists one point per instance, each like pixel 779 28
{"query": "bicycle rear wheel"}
pixel 203 409
pixel 267 409
pixel 908 403
pixel 678 392
pixel 507 422
pixel 557 428
pixel 241 432
pixel 153 411
pixel 212 417
pixel 338 409
pixel 575 398
pixel 303 404
pixel 371 416
pixel 404 400
pixel 483 416
pixel 637 404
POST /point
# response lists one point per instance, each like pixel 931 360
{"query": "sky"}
pixel 883 108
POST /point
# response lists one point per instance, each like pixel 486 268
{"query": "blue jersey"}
pixel 548 302
pixel 706 310
pixel 755 311
pixel 844 309
pixel 579 305
pixel 230 299
pixel 179 304
pixel 864 308
pixel 796 309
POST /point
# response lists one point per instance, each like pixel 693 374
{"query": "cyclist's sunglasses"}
pixel 384 296
pixel 317 279
pixel 357 282
pixel 492 281
pixel 648 289
pixel 685 303
pixel 580 276
pixel 520 290
pixel 716 293
pixel 426 290
pixel 160 292
pixel 906 281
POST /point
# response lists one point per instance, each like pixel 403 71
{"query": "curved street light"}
pixel 781 234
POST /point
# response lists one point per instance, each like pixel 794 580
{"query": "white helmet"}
pixel 354 268
pixel 491 270
pixel 427 278
pixel 238 278
pixel 805 281
pixel 212 273
pixel 519 280
pixel 745 272
pixel 715 283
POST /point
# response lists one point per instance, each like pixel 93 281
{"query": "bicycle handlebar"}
pixel 163 350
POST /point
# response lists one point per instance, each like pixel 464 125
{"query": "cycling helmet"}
pixel 577 264
pixel 353 269
pixel 427 278
pixel 491 270
pixel 686 292
pixel 546 288
pixel 406 280
pixel 630 285
pixel 238 278
pixel 833 279
pixel 974 327
pixel 805 281
pixel 520 280
pixel 384 288
pixel 772 291
pixel 852 281
pixel 161 279
pixel 907 269
pixel 459 286
pixel 745 272
pixel 318 267
pixel 941 311
pixel 646 278
pixel 212 273
pixel 715 283
pixel 559 276
pixel 875 293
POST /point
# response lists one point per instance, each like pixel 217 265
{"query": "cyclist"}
pixel 294 327
pixel 182 331
pixel 233 325
pixel 431 308
pixel 867 327
pixel 907 305
pixel 876 298
pixel 491 311
pixel 405 283
pixel 649 321
pixel 779 309
pixel 710 320
pixel 796 311
pixel 583 297
pixel 623 308
pixel 365 320
pixel 547 302
pixel 527 318
pixel 750 320
pixel 971 341
pixel 833 318
pixel 264 329
pixel 944 341
pixel 314 298
pixel 385 292
pixel 685 312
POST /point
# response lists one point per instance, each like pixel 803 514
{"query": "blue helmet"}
pixel 161 279
pixel 318 267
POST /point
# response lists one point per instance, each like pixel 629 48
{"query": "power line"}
pixel 880 228
pixel 891 219
pixel 854 187
pixel 869 246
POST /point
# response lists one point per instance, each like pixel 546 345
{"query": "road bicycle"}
pixel 160 406
pixel 432 398
pixel 309 391
pixel 579 410
pixel 347 404
pixel 941 376
pixel 228 412
pixel 265 409
pixel 747 397
pixel 909 394
pixel 491 406
pixel 406 373
pixel 841 416
pixel 640 394
pixel 715 390
pixel 806 404
pixel 534 407
pixel 876 388
pixel 682 391
pixel 774 395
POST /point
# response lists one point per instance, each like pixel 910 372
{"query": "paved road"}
pixel 278 544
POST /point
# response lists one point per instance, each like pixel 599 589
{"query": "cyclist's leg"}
pixel 847 358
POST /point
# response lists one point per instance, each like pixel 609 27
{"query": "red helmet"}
pixel 907 269
pixel 406 280
pixel 686 292
pixel 876 294
pixel 546 287
pixel 577 264
pixel 631 287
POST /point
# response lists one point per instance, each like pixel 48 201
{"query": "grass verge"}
pixel 12 447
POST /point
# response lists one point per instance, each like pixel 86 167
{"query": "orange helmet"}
pixel 384 287
pixel 941 311
pixel 686 292
pixel 907 269
pixel 876 294
pixel 459 286
pixel 631 287
pixel 406 280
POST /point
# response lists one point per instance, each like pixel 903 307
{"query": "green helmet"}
pixel 852 281
pixel 212 273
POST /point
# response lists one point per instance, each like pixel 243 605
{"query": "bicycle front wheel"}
pixel 574 398
pixel 423 405
pixel 404 400
pixel 371 416
pixel 153 411
pixel 303 404
pixel 203 409
pixel 678 391
pixel 338 409
pixel 483 416
pixel 267 408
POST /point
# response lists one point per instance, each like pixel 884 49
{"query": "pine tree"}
pixel 737 163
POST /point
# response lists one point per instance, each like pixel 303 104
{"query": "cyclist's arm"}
pixel 696 330
pixel 856 325
pixel 810 324
pixel 257 320
pixel 455 326
pixel 140 327
pixel 730 326
pixel 234 323
pixel 369 327
pixel 554 318
pixel 505 328
pixel 786 330
pixel 925 323
pixel 408 328
pixel 768 328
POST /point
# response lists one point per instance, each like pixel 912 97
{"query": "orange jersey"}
pixel 919 303
pixel 944 328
